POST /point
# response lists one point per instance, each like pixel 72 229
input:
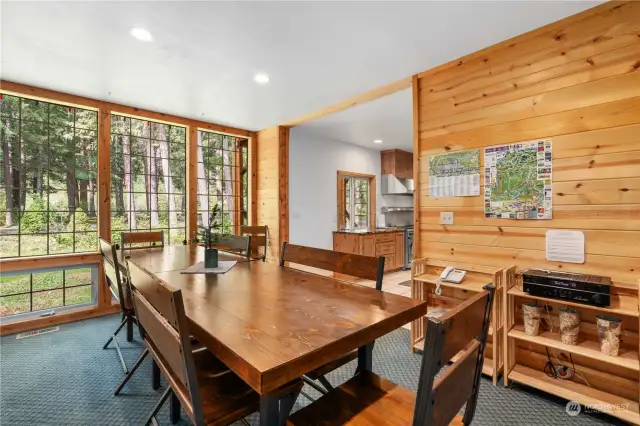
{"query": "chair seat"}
pixel 330 366
pixel 225 397
pixel 366 399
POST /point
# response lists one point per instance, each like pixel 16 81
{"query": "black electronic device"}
pixel 588 289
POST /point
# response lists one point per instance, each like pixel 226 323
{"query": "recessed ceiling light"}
pixel 141 34
pixel 261 78
pixel 378 141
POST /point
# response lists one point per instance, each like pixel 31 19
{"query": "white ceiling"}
pixel 204 56
pixel 389 119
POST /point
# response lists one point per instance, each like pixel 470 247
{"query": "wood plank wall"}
pixel 272 194
pixel 576 81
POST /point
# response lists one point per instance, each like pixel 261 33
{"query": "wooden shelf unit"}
pixel 424 274
pixel 605 383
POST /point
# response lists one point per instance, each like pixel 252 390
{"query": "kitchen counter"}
pixel 367 232
pixel 386 242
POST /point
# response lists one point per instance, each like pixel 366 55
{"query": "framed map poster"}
pixel 517 180
pixel 455 174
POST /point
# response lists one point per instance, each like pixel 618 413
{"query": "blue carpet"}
pixel 65 378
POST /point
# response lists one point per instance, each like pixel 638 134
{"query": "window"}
pixel 148 170
pixel 23 293
pixel 222 180
pixel 48 180
pixel 356 201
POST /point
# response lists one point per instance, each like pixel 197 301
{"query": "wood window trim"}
pixel 105 109
pixel 340 197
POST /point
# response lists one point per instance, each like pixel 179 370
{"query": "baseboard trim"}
pixel 32 323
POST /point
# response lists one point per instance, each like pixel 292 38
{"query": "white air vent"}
pixel 37 332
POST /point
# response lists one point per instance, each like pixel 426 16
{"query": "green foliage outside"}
pixel 48 290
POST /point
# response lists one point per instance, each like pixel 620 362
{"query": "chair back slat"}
pixel 356 265
pixel 153 238
pixel 253 230
pixel 159 295
pixel 117 284
pixel 258 239
pixel 463 324
pixel 163 325
pixel 108 252
pixel 237 244
pixel 462 328
pixel 455 386
pixel 163 336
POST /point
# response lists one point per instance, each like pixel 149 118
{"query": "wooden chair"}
pixel 258 239
pixel 209 392
pixel 153 238
pixel 356 265
pixel 236 244
pixel 369 399
pixel 120 290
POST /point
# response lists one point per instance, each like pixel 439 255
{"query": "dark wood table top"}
pixel 272 324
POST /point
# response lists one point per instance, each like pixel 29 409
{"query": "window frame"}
pixel 351 177
pixel 170 229
pixel 54 311
pixel 89 155
pixel 239 215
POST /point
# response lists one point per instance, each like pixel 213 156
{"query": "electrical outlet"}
pixel 446 218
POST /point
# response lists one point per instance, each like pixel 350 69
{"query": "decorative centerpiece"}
pixel 209 237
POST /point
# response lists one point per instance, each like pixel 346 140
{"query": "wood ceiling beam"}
pixel 363 98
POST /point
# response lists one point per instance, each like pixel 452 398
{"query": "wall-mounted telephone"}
pixel 452 275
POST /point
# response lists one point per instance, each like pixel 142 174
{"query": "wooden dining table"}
pixel 271 324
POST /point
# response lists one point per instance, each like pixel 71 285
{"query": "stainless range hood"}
pixel 392 185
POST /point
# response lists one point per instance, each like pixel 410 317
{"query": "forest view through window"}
pixel 48 180
pixel 222 181
pixel 148 170
pixel 356 201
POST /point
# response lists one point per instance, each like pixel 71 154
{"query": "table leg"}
pixel 286 405
pixel 174 409
pixel 269 410
pixel 365 358
pixel 274 409
pixel 155 375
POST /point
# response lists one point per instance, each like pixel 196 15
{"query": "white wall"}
pixel 313 164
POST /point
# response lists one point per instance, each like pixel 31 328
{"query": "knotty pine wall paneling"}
pixel 576 81
pixel 272 193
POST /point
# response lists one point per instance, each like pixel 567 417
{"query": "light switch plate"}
pixel 446 218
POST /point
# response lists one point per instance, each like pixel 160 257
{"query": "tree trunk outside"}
pixel 227 190
pixel 128 184
pixel 71 191
pixel 92 196
pixel 84 202
pixel 202 185
pixel 6 174
pixel 166 172
pixel 22 183
pixel 153 190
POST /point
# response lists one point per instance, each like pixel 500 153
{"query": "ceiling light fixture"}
pixel 261 78
pixel 378 141
pixel 141 34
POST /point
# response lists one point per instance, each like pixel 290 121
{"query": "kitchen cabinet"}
pixel 397 162
pixel 385 243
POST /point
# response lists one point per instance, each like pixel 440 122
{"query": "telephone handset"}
pixel 452 275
